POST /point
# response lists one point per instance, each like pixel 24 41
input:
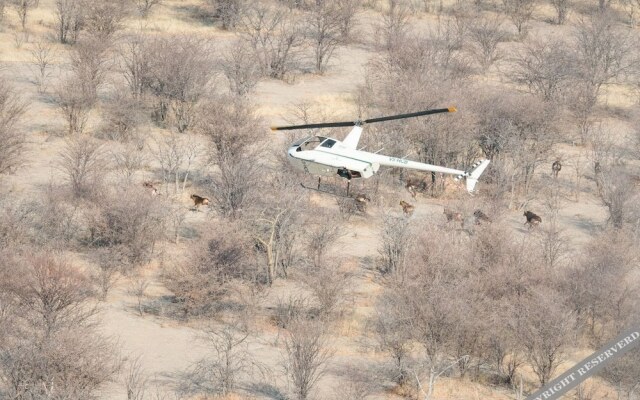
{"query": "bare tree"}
pixel 547 332
pixel 603 51
pixel 83 163
pixel 121 117
pixel 562 8
pixel 22 8
pixel 177 156
pixel 135 57
pixel 103 18
pixel 178 77
pixel 145 6
pixel 138 288
pixel 228 12
pixel 135 379
pixel 328 283
pixel 306 356
pixel 240 68
pixel 486 34
pixel 89 62
pixel 12 139
pixel 395 244
pixel 275 39
pixel 74 104
pixel 324 32
pixel 69 19
pixel 520 13
pixel 230 360
pixel 394 27
pixel 544 66
pixel 128 161
pixel 41 58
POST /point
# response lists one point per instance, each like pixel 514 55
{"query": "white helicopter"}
pixel 324 156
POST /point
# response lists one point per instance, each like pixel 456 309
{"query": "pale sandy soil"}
pixel 168 348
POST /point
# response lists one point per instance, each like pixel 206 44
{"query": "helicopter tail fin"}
pixel 473 176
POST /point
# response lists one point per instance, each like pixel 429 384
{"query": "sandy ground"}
pixel 168 348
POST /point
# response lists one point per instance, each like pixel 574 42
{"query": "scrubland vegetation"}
pixel 115 285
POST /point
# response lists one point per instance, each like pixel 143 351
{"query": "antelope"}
pixel 154 191
pixel 452 215
pixel 532 219
pixel 198 200
pixel 407 208
pixel 480 217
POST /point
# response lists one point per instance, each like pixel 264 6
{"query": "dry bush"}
pixel 202 283
pixel 324 32
pixel 240 68
pixel 12 139
pixel 55 348
pixel 128 221
pixel 103 18
pixel 600 287
pixel 320 235
pixel 228 12
pixel 16 222
pixel 520 13
pixel 69 20
pixel 486 34
pixel 90 60
pixel 275 39
pixel 307 353
pixel 128 161
pixel 394 27
pixel 177 156
pixel 135 379
pixel 22 9
pixel 134 62
pixel 544 67
pixel 624 374
pixel 396 241
pixel 83 163
pixel 74 103
pixel 178 76
pixel 562 7
pixel 42 60
pixel 145 6
pixel 328 284
pixel 121 117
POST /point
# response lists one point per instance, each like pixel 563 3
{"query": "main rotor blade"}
pixel 311 126
pixel 410 115
pixel 366 121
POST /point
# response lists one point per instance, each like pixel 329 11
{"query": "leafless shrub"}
pixel 69 20
pixel 306 355
pixel 41 58
pixel 228 12
pixel 83 163
pixel 396 242
pixel 89 63
pixel 74 104
pixel 324 32
pixel 135 380
pixel 275 39
pixel 177 156
pixel 15 222
pixel 603 51
pixel 486 34
pixel 103 18
pixel 138 288
pixel 319 239
pixel 127 221
pixel 544 67
pixel 135 55
pixel 394 27
pixel 599 288
pixel 240 68
pixel 328 284
pixel 562 8
pixel 230 360
pixel 145 6
pixel 520 13
pixel 547 332
pixel 12 139
pixel 128 161
pixel 178 77
pixel 121 117
pixel 22 8
pixel 624 374
pixel 200 283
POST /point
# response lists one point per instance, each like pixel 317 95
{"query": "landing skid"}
pixel 333 193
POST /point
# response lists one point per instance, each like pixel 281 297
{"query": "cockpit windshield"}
pixel 310 143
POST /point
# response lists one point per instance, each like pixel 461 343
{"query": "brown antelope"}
pixel 480 217
pixel 452 215
pixel 154 191
pixel 556 167
pixel 361 202
pixel 407 208
pixel 532 219
pixel 415 185
pixel 198 200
